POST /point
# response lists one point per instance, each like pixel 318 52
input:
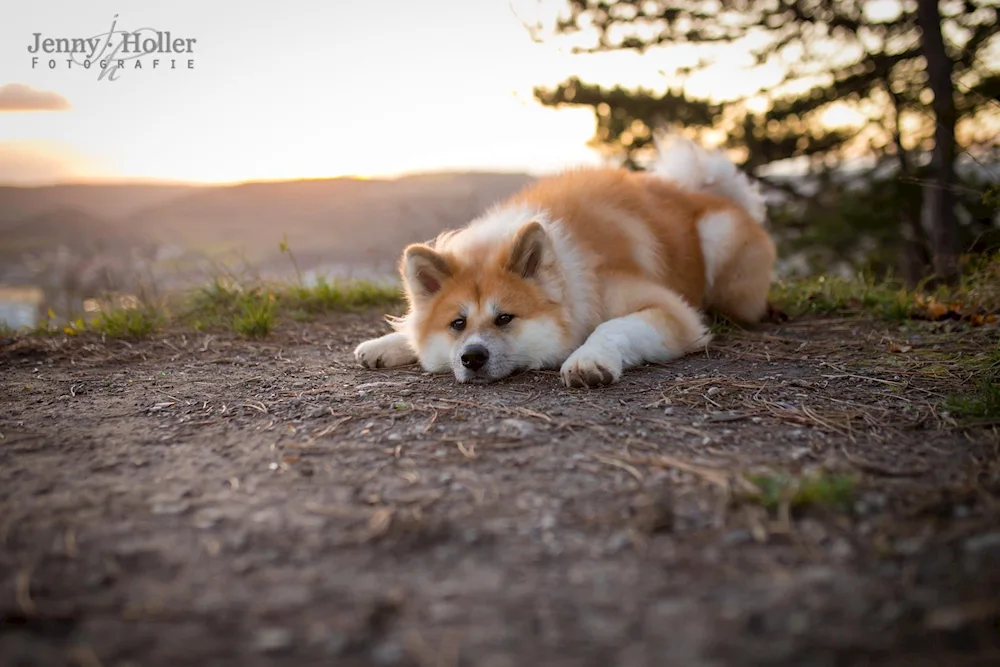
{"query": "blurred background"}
pixel 344 130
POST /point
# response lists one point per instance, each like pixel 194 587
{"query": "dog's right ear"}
pixel 424 270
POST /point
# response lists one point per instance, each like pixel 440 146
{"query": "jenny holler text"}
pixel 135 50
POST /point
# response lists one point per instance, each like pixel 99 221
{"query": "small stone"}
pixel 617 542
pixel 270 640
pixel 653 509
pixel 981 543
pixel 738 536
pixel 336 644
pixel 725 416
pixel 519 427
pixel 387 653
pixel 170 508
pixel 841 549
pixel 208 518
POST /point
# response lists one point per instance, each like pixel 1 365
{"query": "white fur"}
pixel 634 339
pixel 436 353
pixel 698 169
pixel 387 351
pixel 645 248
pixel 542 337
pixel 716 233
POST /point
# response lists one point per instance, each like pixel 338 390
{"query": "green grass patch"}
pixel 979 405
pixel 137 322
pixel 326 296
pixel 256 316
pixel 254 310
pixel 975 299
pixel 823 295
pixel 829 490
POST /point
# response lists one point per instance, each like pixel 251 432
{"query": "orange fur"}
pixel 602 268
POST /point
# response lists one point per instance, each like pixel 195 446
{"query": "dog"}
pixel 592 271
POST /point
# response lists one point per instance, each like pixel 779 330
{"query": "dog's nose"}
pixel 475 357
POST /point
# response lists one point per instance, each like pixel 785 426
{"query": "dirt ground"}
pixel 205 500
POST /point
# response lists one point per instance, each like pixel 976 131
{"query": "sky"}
pixel 302 89
pixel 293 89
pixel 296 89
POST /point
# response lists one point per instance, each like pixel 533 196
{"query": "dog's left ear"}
pixel 531 251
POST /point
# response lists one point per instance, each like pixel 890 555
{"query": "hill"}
pixel 326 221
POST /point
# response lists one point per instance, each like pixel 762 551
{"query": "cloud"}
pixel 20 97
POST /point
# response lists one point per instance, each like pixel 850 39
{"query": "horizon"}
pixel 112 181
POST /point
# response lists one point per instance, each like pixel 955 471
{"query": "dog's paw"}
pixel 591 366
pixel 386 352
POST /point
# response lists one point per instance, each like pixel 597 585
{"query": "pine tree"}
pixel 868 55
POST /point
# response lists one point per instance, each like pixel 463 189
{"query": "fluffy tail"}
pixel 693 167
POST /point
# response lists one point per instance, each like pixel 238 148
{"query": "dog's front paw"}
pixel 389 351
pixel 591 366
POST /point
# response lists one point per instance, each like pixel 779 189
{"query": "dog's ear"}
pixel 531 251
pixel 424 270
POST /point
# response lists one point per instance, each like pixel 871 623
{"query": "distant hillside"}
pixel 325 220
pixel 108 201
pixel 71 227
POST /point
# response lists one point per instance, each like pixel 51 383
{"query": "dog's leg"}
pixel 739 264
pixel 654 324
pixel 388 351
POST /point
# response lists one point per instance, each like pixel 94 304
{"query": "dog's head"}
pixel 486 311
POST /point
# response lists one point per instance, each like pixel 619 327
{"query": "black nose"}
pixel 475 357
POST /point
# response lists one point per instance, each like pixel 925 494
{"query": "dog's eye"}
pixel 458 324
pixel 503 320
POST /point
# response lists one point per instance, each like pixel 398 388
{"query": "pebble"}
pixel 724 416
pixel 387 653
pixel 269 640
pixel 981 543
pixel 738 536
pixel 841 549
pixel 518 426
pixel 170 508
pixel 653 509
pixel 336 644
pixel 617 542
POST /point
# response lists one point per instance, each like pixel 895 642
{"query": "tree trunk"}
pixel 914 256
pixel 939 202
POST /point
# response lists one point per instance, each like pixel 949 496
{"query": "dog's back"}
pixel 698 232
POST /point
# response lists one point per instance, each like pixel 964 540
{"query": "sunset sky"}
pixel 300 89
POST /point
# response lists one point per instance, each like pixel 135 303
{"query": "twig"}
pixel 876 469
pixel 619 464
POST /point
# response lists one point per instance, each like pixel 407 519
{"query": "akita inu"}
pixel 593 271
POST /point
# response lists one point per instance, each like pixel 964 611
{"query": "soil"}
pixel 200 499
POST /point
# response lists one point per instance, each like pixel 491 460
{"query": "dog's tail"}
pixel 693 167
